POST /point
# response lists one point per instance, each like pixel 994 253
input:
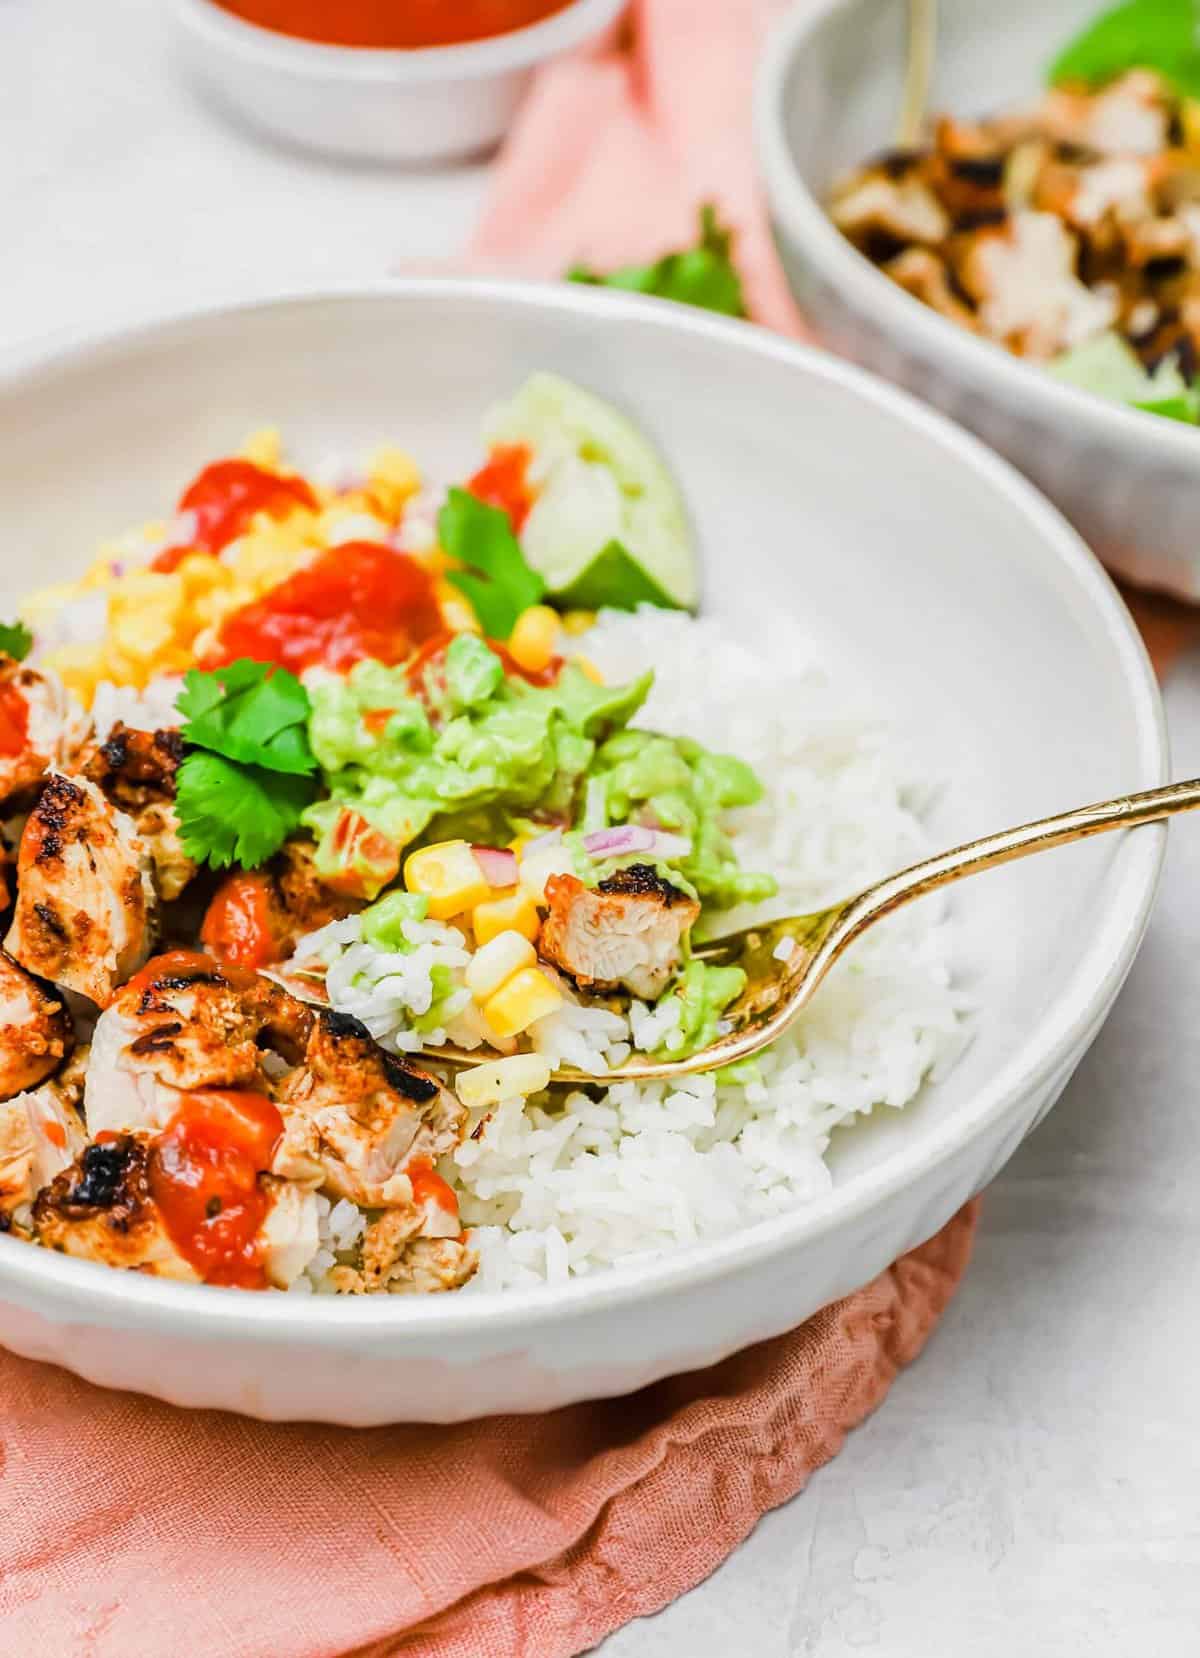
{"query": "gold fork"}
pixel 784 961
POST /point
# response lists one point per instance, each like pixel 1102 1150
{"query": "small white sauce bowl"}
pixel 373 104
pixel 828 96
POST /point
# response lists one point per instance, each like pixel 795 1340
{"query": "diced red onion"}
pixel 615 843
pixel 499 867
pixel 633 837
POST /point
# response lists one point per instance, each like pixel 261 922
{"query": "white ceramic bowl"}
pixel 827 98
pixel 367 105
pixel 927 563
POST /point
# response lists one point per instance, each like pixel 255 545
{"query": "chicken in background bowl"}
pixel 829 93
pixel 1066 230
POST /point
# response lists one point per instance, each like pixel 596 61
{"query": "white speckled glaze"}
pixel 925 562
pixel 828 96
pixel 408 106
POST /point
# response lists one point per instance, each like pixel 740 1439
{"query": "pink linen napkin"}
pixel 129 1529
pixel 614 153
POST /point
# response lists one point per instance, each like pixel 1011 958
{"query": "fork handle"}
pixel 1125 812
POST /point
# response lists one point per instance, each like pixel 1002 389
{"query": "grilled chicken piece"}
pixel 902 209
pixel 1022 277
pixel 923 274
pixel 43 725
pixel 1129 116
pixel 35 1030
pixel 290 1235
pixel 41 1132
pixel 136 771
pixel 361 1115
pixel 101 1209
pixel 394 1260
pixel 354 1116
pixel 184 1022
pixel 84 915
pixel 626 931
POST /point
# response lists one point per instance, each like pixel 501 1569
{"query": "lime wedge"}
pixel 601 481
pixel 1109 368
pixel 613 581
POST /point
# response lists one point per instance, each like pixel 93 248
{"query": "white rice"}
pixel 152 709
pixel 553 1189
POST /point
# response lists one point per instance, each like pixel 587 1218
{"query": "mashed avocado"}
pixel 482 753
pixel 704 992
pixel 676 784
pixel 488 752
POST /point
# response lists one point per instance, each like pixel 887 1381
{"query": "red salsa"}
pixel 351 602
pixel 223 500
pixel 203 1174
pixel 238 926
pixel 14 720
pixel 429 1187
pixel 504 482
pixel 386 23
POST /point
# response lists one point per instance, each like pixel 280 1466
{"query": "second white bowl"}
pixel 828 95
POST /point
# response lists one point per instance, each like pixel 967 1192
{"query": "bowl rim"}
pixel 1003 377
pixel 381 1323
pixel 268 49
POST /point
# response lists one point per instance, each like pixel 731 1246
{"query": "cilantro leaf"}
pixel 705 275
pixel 495 577
pixel 1141 34
pixel 249 711
pixel 15 640
pixel 614 580
pixel 230 813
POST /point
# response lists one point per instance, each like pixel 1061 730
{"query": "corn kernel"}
pixel 525 998
pixel 537 869
pixel 449 876
pixel 534 638
pixel 393 478
pixel 588 667
pixel 503 1079
pixel 456 612
pixel 576 622
pixel 495 962
pixel 80 667
pixel 264 448
pixel 513 911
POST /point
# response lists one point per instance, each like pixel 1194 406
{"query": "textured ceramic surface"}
pixel 828 97
pixel 367 105
pixel 978 616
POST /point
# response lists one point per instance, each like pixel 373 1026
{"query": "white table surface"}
pixel 1033 1484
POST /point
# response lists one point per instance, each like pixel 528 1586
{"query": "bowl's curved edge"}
pixel 1066 1025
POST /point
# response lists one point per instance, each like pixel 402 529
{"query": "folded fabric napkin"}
pixel 614 153
pixel 129 1529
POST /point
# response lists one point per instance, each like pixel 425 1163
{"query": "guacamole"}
pixel 486 756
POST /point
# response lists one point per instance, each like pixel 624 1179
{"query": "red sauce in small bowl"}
pixel 393 23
